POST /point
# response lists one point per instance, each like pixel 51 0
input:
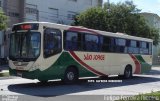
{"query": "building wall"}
pixel 2 34
pixel 1 44
pixel 13 10
pixel 153 20
pixel 1 3
pixel 57 11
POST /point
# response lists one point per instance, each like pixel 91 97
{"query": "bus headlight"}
pixel 34 67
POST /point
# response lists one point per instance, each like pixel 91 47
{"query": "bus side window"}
pixel 91 43
pixel 70 41
pixel 101 39
pixel 105 44
pixel 144 49
pixel 52 42
pixel 133 47
pixel 150 48
pixel 120 45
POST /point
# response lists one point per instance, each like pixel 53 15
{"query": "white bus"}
pixel 47 51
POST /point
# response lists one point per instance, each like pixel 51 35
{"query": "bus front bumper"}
pixel 37 74
pixel 23 74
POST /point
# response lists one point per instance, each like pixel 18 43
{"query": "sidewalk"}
pixel 156 66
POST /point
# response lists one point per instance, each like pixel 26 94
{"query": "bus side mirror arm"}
pixel 7 58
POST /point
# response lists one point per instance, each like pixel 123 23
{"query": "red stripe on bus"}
pixel 82 30
pixel 85 65
pixel 137 63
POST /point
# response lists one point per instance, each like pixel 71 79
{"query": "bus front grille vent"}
pixel 20 63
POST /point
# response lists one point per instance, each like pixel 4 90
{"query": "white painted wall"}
pixel 1 4
pixel 63 6
pixel 1 44
pixel 153 20
pixel 1 37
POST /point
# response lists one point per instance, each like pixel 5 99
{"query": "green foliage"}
pixel 121 17
pixel 3 20
pixel 153 96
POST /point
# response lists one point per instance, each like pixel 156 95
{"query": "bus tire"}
pixel 70 76
pixel 43 81
pixel 103 77
pixel 128 72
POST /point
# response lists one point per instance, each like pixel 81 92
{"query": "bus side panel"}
pixel 57 70
pixel 146 62
pixel 118 62
pixel 66 60
pixel 106 63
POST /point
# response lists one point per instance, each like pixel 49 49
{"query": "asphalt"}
pixel 28 90
pixel 20 89
pixel 5 67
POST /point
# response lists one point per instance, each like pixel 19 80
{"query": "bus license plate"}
pixel 19 68
pixel 19 74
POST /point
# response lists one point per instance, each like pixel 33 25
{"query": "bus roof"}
pixel 84 29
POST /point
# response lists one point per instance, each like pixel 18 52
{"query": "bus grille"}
pixel 20 63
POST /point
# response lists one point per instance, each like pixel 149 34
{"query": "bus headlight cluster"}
pixel 34 67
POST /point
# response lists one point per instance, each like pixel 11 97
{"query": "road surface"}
pixel 92 89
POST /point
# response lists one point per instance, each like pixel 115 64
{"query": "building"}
pixel 13 9
pixel 2 38
pixel 56 11
pixel 1 3
pixel 153 20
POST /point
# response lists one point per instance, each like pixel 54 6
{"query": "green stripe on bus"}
pixel 140 58
pixel 145 67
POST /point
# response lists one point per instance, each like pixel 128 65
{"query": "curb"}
pixel 4 71
pixel 4 74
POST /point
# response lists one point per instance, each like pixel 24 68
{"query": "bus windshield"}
pixel 24 46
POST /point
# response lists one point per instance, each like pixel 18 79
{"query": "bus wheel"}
pixel 43 81
pixel 128 72
pixel 103 77
pixel 70 76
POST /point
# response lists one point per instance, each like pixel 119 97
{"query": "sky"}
pixel 151 6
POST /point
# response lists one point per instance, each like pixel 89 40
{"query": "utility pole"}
pixel 37 15
pixel 108 9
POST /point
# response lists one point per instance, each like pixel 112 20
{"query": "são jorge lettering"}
pixel 94 57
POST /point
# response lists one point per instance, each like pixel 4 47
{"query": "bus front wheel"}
pixel 70 76
pixel 43 81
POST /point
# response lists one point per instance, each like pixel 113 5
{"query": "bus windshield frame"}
pixel 25 46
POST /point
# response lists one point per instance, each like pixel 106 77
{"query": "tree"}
pixel 3 20
pixel 121 17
